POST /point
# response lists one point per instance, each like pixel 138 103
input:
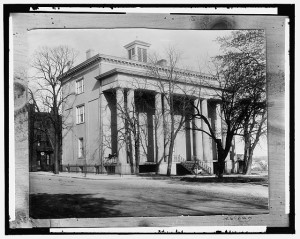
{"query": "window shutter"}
pixel 144 55
pixel 139 54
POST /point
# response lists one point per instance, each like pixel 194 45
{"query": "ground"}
pixel 53 196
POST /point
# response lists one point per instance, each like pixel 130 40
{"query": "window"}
pixel 139 54
pixel 80 147
pixel 79 86
pixel 142 55
pixel 131 53
pixel 80 114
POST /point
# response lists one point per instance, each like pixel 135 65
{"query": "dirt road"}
pixel 63 197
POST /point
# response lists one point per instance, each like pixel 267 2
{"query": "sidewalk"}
pixel 93 176
pixel 86 176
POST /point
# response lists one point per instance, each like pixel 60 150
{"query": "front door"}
pixel 43 161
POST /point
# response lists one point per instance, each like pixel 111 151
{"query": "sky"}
pixel 196 46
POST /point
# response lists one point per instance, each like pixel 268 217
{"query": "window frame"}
pixel 79 119
pixel 77 86
pixel 80 147
pixel 142 54
pixel 131 53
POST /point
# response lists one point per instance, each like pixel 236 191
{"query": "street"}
pixel 53 196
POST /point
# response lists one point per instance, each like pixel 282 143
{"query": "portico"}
pixel 147 108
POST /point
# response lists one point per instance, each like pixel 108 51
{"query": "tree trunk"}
pixel 249 162
pixel 222 154
pixel 131 156
pixel 56 153
pixel 156 152
pixel 221 159
pixel 245 160
pixel 137 155
pixel 169 168
pixel 247 148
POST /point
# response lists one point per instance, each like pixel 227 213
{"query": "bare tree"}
pixel 243 63
pixel 46 89
pixel 130 132
pixel 254 129
pixel 240 77
pixel 170 81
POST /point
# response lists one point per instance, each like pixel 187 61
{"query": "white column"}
pixel 224 133
pixel 206 139
pixel 218 123
pixel 167 122
pixel 122 155
pixel 191 138
pixel 158 125
pixel 105 126
pixel 233 156
pixel 224 130
pixel 131 111
pixel 198 134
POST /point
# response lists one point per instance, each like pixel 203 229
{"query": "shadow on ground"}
pixel 261 180
pixel 47 206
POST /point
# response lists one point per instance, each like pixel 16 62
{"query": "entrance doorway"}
pixel 44 161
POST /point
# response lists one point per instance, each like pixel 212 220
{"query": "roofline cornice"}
pixel 137 42
pixel 124 61
pixel 116 71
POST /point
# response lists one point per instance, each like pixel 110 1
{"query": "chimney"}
pixel 162 62
pixel 89 53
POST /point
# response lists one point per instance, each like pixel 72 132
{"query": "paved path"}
pixel 67 196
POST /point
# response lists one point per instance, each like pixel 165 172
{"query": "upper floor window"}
pixel 142 54
pixel 79 86
pixel 80 114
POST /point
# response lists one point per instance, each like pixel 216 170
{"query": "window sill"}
pixel 80 123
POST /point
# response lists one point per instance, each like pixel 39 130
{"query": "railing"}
pixel 110 161
pixel 202 164
pixel 75 168
pixel 178 158
pixel 193 164
pixel 109 167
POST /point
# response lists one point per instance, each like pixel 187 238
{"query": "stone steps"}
pixel 190 166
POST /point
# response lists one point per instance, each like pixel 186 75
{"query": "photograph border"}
pixel 24 20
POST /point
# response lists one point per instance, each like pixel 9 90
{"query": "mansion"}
pixel 117 108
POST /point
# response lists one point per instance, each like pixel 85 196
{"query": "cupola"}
pixel 137 50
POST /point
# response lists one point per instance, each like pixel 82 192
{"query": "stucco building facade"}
pixel 104 93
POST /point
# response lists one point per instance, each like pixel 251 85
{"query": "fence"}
pixel 96 169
